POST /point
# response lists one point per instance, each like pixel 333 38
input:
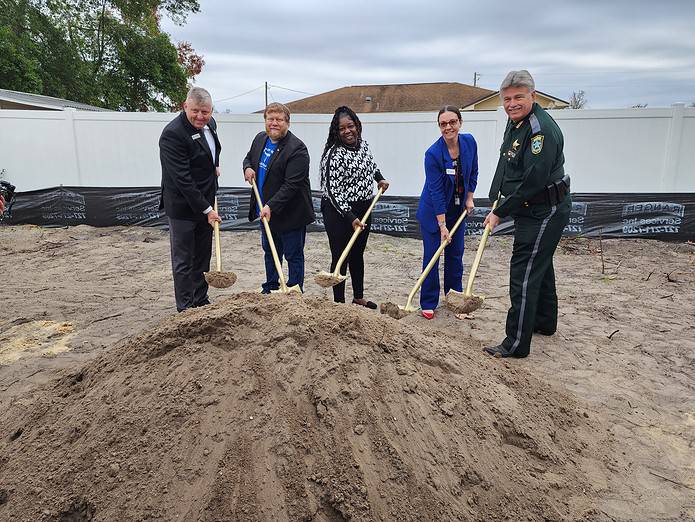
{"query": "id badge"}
pixel 457 201
pixel 451 172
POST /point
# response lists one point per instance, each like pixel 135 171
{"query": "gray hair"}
pixel 521 78
pixel 199 95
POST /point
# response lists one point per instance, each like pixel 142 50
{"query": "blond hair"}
pixel 277 107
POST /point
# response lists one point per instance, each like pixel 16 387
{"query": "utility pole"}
pixel 476 77
pixel 266 95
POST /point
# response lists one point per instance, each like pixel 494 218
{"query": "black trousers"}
pixel 339 232
pixel 191 248
pixel 537 232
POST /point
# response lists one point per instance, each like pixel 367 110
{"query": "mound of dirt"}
pixel 286 407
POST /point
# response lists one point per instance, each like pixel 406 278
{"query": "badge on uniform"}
pixel 537 144
pixel 195 136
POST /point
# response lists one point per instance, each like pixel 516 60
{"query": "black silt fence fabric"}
pixel 666 216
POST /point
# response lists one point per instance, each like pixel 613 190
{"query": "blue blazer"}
pixel 437 194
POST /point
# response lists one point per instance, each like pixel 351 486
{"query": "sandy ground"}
pixel 624 352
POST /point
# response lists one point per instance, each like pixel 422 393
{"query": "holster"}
pixel 551 194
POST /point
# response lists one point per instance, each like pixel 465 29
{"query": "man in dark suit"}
pixel 189 151
pixel 279 162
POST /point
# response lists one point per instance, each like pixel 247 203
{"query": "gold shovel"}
pixel 398 312
pixel 218 278
pixel 284 289
pixel 327 279
pixel 467 302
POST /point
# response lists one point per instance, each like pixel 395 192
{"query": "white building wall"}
pixel 621 150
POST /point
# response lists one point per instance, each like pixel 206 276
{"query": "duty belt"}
pixel 551 194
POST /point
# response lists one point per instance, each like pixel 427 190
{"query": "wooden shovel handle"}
pixel 218 253
pixel 356 233
pixel 434 260
pixel 479 254
pixel 269 235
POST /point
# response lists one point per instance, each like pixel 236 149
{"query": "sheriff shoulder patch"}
pixel 537 144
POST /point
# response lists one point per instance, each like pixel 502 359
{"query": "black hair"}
pixel 333 133
pixel 449 108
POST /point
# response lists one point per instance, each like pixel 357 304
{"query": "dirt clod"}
pixel 326 280
pixel 460 303
pixel 393 310
pixel 220 279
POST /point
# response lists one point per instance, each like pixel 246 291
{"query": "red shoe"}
pixel 427 314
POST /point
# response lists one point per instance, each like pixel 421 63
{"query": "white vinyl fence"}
pixel 620 150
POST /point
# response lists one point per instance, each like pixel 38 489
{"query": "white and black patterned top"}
pixel 347 176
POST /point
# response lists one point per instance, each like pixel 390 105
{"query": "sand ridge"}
pixel 289 408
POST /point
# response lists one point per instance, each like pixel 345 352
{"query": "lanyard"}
pixel 458 177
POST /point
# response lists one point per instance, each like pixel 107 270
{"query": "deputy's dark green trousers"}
pixel 537 232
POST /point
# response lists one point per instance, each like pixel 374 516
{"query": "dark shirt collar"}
pixel 353 148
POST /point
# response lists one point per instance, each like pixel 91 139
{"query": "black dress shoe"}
pixel 367 304
pixel 543 332
pixel 498 351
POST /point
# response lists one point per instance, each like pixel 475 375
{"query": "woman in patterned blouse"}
pixel 348 173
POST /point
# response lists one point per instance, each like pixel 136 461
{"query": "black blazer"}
pixel 189 180
pixel 286 188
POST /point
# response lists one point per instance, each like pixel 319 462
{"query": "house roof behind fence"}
pixel 38 101
pixel 402 97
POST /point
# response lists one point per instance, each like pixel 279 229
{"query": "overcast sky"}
pixel 620 52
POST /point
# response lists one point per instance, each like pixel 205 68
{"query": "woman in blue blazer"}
pixel 451 175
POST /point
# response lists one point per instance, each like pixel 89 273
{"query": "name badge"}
pixel 451 172
pixel 195 136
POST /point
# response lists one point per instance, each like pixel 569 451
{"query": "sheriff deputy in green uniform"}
pixel 533 189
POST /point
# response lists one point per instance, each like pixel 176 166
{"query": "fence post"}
pixel 70 121
pixel 667 183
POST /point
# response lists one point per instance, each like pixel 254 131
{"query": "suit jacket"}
pixel 189 180
pixel 438 191
pixel 286 188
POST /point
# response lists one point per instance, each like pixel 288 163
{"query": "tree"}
pixel 18 71
pixel 110 53
pixel 192 63
pixel 577 100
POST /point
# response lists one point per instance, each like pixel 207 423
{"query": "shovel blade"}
pixel 288 290
pixel 326 279
pixel 460 303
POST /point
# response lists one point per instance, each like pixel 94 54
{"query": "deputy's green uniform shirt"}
pixel 530 158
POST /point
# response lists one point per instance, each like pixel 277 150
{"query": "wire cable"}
pixel 240 95
pixel 292 90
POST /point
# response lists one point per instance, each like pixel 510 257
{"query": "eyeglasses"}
pixel 450 123
pixel 276 120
